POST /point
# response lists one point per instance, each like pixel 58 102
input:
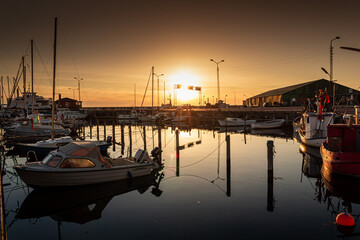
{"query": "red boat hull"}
pixel 347 163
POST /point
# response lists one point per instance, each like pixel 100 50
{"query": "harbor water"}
pixel 216 186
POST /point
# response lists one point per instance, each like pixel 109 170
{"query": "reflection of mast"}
pixel 177 153
pixel 228 167
pixel 270 187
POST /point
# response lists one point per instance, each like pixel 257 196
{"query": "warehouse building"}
pixel 299 93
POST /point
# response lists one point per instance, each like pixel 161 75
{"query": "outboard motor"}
pixel 156 152
pixel 108 139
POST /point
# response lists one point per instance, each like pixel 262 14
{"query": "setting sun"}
pixel 189 86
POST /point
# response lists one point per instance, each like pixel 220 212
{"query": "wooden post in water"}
pixel 122 138
pixel 90 128
pixel 113 135
pixel 159 144
pixel 144 138
pixel 97 128
pixel 130 141
pixel 228 167
pixel 177 153
pixel 104 130
pixel 270 187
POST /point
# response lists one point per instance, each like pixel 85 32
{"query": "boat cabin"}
pixel 343 138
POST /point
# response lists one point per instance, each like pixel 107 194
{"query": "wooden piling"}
pixel 228 166
pixel 270 186
pixel 177 153
pixel 159 144
pixel 130 141
pixel 122 138
pixel 104 130
pixel 90 128
pixel 97 129
pixel 113 135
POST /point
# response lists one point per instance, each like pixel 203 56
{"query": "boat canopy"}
pixel 81 149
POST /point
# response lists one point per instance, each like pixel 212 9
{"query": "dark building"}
pixel 299 93
pixel 69 103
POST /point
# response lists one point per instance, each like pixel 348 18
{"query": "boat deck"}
pixel 119 161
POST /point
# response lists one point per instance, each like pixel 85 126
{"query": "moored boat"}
pixel 341 150
pixel 77 164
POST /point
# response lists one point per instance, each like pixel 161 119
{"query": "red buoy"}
pixel 345 220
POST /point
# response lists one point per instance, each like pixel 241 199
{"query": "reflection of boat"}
pixel 268 132
pixel 76 204
pixel 42 148
pixel 346 187
pixel 341 150
pixel 80 163
pixel 232 129
pixel 311 161
pixel 276 123
pixel 235 122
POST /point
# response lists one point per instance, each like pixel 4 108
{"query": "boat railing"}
pixel 28 155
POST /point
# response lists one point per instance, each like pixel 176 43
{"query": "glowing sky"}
pixel 112 45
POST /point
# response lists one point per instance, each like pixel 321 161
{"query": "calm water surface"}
pixel 196 200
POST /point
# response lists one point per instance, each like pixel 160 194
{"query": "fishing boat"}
pixel 341 150
pixel 42 148
pixel 313 130
pixel 276 123
pixel 234 122
pixel 80 163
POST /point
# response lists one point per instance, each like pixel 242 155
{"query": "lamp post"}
pixel 78 79
pixel 218 81
pixel 225 98
pixel 158 88
pixel 331 68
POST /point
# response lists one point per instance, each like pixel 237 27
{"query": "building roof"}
pixel 280 91
pixel 66 100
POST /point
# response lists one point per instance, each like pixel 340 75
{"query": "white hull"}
pixel 269 124
pixel 77 178
pixel 313 142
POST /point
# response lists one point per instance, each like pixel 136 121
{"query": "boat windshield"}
pixel 77 163
pixel 52 161
pixel 47 158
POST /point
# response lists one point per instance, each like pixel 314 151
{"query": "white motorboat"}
pixel 276 123
pixel 232 122
pixel 80 163
pixel 313 131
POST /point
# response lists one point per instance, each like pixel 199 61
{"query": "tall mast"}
pixel 24 78
pixel 2 90
pixel 32 76
pixel 135 96
pixel 54 71
pixel 152 90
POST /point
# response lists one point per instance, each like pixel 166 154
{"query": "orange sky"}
pixel 112 45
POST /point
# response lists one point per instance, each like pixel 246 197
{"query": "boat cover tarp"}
pixel 81 149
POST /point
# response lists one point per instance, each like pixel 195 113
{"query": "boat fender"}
pixel 130 175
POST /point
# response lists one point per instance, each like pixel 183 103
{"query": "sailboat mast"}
pixel 152 90
pixel 54 71
pixel 24 78
pixel 32 76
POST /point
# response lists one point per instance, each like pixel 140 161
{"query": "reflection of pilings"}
pixel 177 152
pixel 144 138
pixel 270 186
pixel 159 144
pixel 2 207
pixel 130 141
pixel 228 167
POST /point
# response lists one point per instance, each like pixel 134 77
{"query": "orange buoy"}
pixel 345 219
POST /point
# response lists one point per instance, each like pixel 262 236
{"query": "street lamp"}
pixel 225 98
pixel 218 83
pixel 79 79
pixel 331 68
pixel 158 88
